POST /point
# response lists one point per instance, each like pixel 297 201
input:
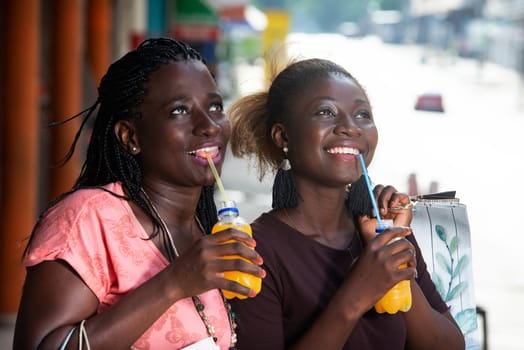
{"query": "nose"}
pixel 205 124
pixel 346 125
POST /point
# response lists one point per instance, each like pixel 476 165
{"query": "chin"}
pixel 209 181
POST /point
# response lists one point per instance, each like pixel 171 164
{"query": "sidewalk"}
pixel 7 328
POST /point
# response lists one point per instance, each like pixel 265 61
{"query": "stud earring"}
pixel 133 149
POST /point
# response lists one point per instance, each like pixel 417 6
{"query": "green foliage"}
pixel 462 263
pixel 443 262
pixel 438 283
pixel 456 291
pixel 466 319
pixel 453 245
pixel 441 232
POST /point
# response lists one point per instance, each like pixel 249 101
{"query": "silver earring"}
pixel 285 165
pixel 133 149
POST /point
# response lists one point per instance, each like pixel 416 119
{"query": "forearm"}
pixel 122 324
pixel 429 329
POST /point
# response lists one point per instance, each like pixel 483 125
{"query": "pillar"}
pixel 65 92
pixel 20 139
pixel 98 38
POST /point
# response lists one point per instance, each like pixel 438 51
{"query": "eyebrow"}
pixel 211 95
pixel 214 95
pixel 361 101
pixel 358 100
pixel 185 97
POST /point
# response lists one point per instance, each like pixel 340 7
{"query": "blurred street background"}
pixel 467 55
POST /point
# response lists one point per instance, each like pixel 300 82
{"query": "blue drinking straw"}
pixel 380 227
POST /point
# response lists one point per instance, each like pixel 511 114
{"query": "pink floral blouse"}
pixel 98 235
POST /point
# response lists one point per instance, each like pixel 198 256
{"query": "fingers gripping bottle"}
pixel 228 217
pixel 397 298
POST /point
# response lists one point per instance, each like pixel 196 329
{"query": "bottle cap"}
pixel 229 206
pixel 386 223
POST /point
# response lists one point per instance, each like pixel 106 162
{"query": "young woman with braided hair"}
pixel 125 257
pixel 326 266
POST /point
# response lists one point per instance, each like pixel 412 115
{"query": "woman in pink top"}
pixel 124 260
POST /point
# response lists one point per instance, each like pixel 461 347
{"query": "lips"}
pixel 203 152
pixel 343 150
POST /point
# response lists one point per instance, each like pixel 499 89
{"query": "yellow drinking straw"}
pixel 217 178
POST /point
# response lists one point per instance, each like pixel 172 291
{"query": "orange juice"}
pixel 228 218
pixel 397 298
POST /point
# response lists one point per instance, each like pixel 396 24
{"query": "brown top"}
pixel 302 276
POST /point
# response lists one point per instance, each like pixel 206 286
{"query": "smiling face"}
pixel 327 126
pixel 182 121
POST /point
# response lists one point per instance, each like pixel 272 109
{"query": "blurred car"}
pixel 350 29
pixel 429 101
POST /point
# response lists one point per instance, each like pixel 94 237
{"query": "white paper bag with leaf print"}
pixel 441 227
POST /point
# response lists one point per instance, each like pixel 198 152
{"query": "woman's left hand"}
pixel 393 205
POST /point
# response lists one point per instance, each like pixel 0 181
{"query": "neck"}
pixel 321 215
pixel 176 206
pixel 178 225
pixel 326 227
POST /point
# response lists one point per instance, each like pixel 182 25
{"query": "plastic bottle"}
pixel 397 298
pixel 228 217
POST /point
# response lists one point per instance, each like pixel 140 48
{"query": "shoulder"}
pixel 102 196
pixel 87 199
pixel 86 229
pixel 268 228
pixel 84 210
pixel 276 241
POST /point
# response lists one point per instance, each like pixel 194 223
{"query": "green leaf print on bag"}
pixel 466 319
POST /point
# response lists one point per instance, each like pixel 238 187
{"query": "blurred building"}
pixel 487 30
pixel 443 23
pixel 505 27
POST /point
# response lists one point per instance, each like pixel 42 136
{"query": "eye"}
pixel 363 115
pixel 327 112
pixel 216 107
pixel 179 110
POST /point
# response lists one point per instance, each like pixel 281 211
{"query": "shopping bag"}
pixel 441 227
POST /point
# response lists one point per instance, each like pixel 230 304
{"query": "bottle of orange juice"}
pixel 228 217
pixel 397 298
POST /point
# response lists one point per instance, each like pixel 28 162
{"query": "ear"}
pixel 126 136
pixel 278 135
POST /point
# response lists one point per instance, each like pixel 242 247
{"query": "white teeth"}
pixel 343 150
pixel 204 150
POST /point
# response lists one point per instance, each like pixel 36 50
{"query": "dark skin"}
pixel 336 124
pixel 181 113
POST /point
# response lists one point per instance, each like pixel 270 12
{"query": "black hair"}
pixel 120 93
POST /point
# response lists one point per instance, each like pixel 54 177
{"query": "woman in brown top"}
pixel 326 267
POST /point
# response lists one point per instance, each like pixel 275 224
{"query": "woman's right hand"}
pixel 202 266
pixel 376 270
